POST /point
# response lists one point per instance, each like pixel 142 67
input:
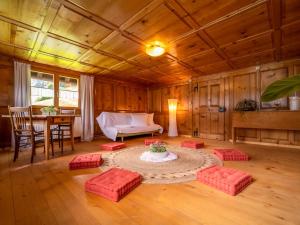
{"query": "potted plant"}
pixel 283 88
pixel 49 110
pixel 246 105
pixel 158 151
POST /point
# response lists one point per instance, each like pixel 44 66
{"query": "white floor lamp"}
pixel 172 118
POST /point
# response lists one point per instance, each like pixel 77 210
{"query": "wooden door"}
pixel 215 119
pixel 204 109
pixel 195 110
pixel 208 122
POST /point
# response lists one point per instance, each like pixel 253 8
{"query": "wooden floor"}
pixel 46 192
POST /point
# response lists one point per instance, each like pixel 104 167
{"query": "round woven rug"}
pixel 182 169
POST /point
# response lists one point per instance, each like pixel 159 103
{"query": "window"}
pixel 42 89
pixel 68 92
pixel 53 90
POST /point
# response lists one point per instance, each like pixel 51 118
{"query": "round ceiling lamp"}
pixel 155 48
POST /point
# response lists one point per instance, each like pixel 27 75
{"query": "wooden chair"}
pixel 23 129
pixel 62 131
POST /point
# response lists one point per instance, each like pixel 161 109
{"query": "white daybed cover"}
pixel 113 123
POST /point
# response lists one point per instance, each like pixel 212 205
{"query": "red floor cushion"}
pixel 113 146
pixel 150 141
pixel 231 154
pixel 230 181
pixel 192 144
pixel 85 161
pixel 113 184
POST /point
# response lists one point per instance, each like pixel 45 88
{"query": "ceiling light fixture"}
pixel 155 48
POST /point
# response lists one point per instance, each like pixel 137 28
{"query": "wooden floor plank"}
pixel 48 193
pixel 6 196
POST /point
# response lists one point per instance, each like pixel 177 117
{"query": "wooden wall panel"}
pixel 249 83
pixel 6 98
pixel 244 88
pixel 269 76
pixel 122 103
pixel 159 105
pixel 112 96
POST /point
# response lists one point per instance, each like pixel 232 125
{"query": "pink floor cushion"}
pixel 85 161
pixel 113 146
pixel 230 181
pixel 150 141
pixel 231 155
pixel 113 184
pixel 192 144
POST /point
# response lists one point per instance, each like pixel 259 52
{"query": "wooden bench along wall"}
pixel 270 120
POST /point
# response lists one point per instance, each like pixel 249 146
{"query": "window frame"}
pixel 78 100
pixel 56 75
pixel 53 78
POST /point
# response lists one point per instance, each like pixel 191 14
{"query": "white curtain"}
pixel 21 88
pixel 87 107
pixel 22 84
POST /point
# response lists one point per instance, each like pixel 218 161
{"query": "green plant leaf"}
pixel 281 88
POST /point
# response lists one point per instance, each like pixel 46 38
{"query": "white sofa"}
pixel 122 125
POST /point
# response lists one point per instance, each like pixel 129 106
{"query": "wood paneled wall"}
pixel 113 96
pixel 158 103
pixel 249 83
pixel 110 95
pixel 198 103
pixel 6 98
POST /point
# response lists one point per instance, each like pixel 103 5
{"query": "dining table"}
pixel 49 120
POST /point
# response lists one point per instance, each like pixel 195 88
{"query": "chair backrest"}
pixel 63 111
pixel 21 119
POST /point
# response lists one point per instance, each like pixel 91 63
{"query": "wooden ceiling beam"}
pixel 119 30
pixel 19 24
pixel 42 34
pixel 200 33
pixel 275 12
pixel 87 14
pixel 255 53
pixel 251 37
pixel 221 19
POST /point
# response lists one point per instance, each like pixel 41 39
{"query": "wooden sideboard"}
pixel 277 120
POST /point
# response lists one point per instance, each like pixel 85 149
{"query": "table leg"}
pixel 233 135
pixel 72 134
pixel 46 137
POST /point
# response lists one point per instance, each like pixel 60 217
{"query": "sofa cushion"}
pixel 139 120
pixel 121 118
pixel 150 119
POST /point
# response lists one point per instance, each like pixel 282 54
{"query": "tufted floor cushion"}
pixel 113 146
pixel 150 141
pixel 192 144
pixel 113 184
pixel 231 155
pixel 230 181
pixel 85 161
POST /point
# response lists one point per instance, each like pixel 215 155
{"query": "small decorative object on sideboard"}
pixel 246 105
pixel 49 110
pixel 284 88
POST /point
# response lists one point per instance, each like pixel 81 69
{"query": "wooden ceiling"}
pixel 107 37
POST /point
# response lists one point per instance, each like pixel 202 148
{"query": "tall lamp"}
pixel 172 118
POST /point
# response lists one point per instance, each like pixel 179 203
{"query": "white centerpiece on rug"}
pixel 158 153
